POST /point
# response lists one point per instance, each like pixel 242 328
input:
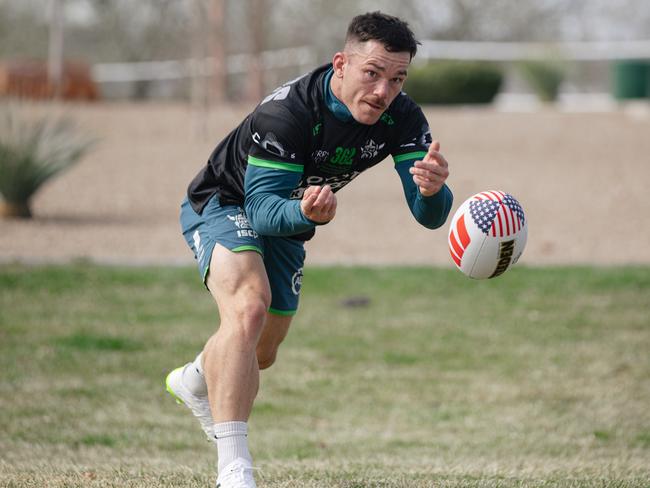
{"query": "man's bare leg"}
pixel 239 284
pixel 274 332
pixel 247 340
pixel 193 378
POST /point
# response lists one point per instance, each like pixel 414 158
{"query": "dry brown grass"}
pixel 581 178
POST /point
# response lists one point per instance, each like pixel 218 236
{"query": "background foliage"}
pixel 454 82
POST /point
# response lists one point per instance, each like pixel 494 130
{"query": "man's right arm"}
pixel 270 210
pixel 268 186
pixel 280 142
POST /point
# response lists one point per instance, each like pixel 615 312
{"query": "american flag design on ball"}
pixel 496 213
pixel 488 233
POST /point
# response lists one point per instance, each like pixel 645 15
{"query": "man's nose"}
pixel 381 89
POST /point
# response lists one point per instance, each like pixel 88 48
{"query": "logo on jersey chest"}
pixel 371 149
pixel 335 182
pixel 343 156
pixel 320 156
pixel 387 119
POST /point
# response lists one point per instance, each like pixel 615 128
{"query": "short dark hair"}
pixel 393 33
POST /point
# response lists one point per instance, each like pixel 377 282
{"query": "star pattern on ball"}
pixel 513 204
pixel 483 213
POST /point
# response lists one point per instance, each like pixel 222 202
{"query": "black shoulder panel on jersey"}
pixel 278 128
pixel 279 134
pixel 415 135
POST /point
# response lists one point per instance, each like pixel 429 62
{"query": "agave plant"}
pixel 31 153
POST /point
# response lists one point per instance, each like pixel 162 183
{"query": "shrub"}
pixel 31 153
pixel 544 77
pixel 454 82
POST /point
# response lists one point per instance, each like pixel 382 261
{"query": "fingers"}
pixel 434 147
pixel 427 169
pixel 429 172
pixel 309 198
pixel 434 156
pixel 324 207
pixel 312 190
pixel 319 203
pixel 323 196
pixel 428 186
pixel 432 172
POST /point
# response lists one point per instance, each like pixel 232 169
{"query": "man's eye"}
pixel 398 80
pixel 371 74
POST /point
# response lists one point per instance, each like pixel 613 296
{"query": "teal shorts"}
pixel 228 225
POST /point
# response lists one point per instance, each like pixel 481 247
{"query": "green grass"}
pixel 390 377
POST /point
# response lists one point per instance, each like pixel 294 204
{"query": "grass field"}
pixel 539 378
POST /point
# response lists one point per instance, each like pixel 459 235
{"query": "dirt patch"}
pixel 581 178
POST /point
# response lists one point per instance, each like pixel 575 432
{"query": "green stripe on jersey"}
pixel 265 163
pixel 409 156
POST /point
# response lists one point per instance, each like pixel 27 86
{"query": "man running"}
pixel 261 195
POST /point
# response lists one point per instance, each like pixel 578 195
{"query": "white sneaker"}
pixel 238 474
pixel 199 405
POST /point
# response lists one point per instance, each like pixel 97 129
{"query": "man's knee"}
pixel 249 316
pixel 239 284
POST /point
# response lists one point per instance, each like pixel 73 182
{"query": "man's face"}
pixel 368 78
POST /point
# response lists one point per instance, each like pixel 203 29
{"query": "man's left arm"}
pixel 423 176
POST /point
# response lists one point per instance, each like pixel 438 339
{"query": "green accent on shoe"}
pixel 169 388
pixel 404 157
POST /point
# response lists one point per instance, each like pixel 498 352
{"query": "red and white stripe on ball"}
pixel 458 240
pixel 509 215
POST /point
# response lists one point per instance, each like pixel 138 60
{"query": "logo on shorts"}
pixel 198 247
pixel 244 227
pixel 296 282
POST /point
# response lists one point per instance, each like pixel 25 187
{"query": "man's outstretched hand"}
pixel 432 172
pixel 319 204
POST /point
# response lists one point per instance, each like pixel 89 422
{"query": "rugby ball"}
pixel 487 234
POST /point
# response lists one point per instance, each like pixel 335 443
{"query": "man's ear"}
pixel 339 61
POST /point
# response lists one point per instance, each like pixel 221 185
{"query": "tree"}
pixel 258 20
pixel 55 51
